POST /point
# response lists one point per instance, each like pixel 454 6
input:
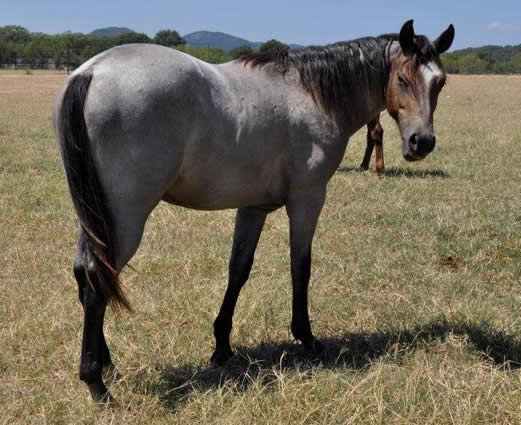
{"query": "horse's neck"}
pixel 363 106
pixel 368 98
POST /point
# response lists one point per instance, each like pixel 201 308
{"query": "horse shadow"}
pixel 350 351
pixel 400 172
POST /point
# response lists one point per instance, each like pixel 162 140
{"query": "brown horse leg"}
pixel 368 149
pixel 374 140
pixel 377 134
pixel 248 226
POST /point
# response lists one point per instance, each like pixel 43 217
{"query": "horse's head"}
pixel 415 81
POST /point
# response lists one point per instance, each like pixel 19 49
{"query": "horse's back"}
pixel 139 80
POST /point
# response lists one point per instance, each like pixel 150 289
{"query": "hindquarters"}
pixel 94 217
pixel 119 153
pixel 121 127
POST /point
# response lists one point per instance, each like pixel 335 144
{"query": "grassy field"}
pixel 415 287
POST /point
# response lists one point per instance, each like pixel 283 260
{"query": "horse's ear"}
pixel 444 41
pixel 407 37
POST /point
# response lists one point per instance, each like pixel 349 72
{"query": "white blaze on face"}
pixel 431 71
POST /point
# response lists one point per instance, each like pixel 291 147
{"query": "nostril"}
pixel 413 141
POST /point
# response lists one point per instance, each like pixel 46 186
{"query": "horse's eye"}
pixel 402 81
pixel 441 84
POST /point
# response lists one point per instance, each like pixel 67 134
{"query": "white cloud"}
pixel 503 27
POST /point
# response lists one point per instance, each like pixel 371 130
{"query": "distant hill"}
pixel 296 46
pixel 221 40
pixel 218 39
pixel 110 31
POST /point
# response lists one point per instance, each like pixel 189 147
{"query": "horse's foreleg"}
pixel 303 213
pixel 248 226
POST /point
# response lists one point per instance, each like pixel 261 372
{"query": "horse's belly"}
pixel 224 193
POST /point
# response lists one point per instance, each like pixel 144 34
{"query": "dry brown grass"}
pixel 415 287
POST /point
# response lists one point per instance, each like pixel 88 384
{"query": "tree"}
pixel 472 64
pixel 15 34
pixel 13 38
pixel 273 46
pixel 239 51
pixel 131 37
pixel 451 63
pixel 8 52
pixel 169 38
pixel 207 54
pixel 515 63
pixel 38 51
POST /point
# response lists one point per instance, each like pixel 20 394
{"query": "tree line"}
pixel 484 60
pixel 37 50
pixel 20 47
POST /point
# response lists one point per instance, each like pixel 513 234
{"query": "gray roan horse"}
pixel 138 124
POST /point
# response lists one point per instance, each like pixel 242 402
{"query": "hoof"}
pixel 364 167
pixel 100 395
pixel 220 357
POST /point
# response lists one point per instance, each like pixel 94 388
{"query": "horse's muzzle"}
pixel 419 146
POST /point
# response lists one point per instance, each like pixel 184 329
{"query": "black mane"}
pixel 329 73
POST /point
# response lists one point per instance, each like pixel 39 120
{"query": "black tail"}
pixel 86 191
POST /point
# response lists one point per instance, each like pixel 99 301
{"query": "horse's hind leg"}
pixel 377 134
pixel 374 140
pixel 248 226
pixel 368 150
pixel 95 355
pixel 81 279
pixel 94 351
pixel 303 212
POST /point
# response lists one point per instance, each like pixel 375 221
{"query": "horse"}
pixel 139 124
pixel 374 139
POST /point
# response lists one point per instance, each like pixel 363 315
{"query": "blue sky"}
pixel 302 22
